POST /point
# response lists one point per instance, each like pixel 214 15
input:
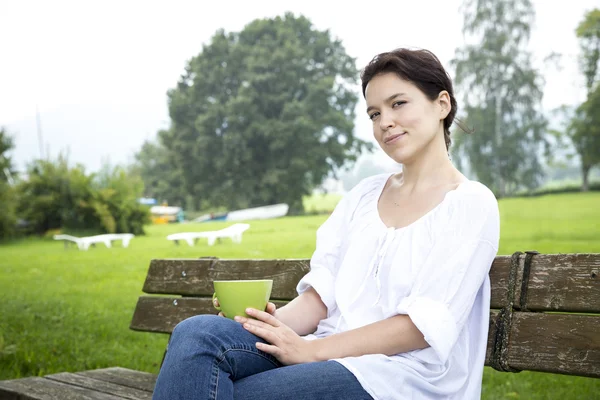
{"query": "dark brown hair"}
pixel 423 69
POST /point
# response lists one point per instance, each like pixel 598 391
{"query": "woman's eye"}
pixel 398 103
pixel 373 116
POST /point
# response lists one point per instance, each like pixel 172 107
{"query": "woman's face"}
pixel 405 121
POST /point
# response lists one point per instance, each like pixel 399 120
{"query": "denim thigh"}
pixel 327 380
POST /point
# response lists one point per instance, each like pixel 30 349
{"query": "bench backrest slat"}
pixel 194 277
pixel 557 282
pixel 161 314
pixel 562 282
pixel 190 277
pixel 556 343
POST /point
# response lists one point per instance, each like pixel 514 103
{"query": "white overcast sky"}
pixel 99 70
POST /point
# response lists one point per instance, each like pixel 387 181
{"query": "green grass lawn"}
pixel 68 310
pixel 320 202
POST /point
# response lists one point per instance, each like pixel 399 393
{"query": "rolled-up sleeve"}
pixel 324 263
pixel 434 321
pixel 455 269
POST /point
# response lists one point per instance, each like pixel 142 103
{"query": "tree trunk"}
pixel 585 171
pixel 498 140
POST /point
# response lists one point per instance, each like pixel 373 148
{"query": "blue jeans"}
pixel 211 357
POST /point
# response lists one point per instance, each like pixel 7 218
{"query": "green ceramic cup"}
pixel 235 296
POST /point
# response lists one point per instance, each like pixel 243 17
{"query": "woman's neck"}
pixel 430 168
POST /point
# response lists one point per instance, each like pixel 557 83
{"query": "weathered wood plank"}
pixel 556 343
pixel 194 277
pixel 557 282
pixel 191 277
pixel 562 282
pixel 45 389
pixel 499 281
pixel 566 344
pixel 124 392
pixel 491 334
pixel 161 314
pixel 123 376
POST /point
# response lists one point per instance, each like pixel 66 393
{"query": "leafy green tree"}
pixel 503 95
pixel 584 129
pixel 158 170
pixel 57 196
pixel 8 217
pixel 7 168
pixel 8 200
pixel 588 33
pixel 264 115
pixel 115 198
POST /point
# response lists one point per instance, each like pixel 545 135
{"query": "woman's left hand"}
pixel 284 343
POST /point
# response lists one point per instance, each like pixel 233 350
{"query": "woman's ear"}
pixel 445 105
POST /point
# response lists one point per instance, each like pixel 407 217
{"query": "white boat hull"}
pixel 264 212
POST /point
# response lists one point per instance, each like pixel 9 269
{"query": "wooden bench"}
pixel 544 317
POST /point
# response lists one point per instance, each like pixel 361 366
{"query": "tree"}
pixel 7 168
pixel 502 98
pixel 8 200
pixel 584 129
pixel 58 196
pixel 264 115
pixel 588 33
pixel 54 195
pixel 158 170
pixel 116 193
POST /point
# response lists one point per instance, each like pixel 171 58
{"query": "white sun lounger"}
pixel 234 232
pixel 84 243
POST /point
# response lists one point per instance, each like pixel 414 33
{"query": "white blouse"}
pixel 436 270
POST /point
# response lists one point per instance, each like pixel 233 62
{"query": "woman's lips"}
pixel 394 138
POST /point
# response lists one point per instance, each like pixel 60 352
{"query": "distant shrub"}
pixel 56 196
pixel 571 188
pixel 8 216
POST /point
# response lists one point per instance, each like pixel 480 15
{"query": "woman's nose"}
pixel 385 121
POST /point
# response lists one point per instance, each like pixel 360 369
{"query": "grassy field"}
pixel 68 310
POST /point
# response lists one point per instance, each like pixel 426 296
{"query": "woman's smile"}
pixel 394 138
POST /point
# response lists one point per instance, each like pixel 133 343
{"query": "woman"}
pixel 396 304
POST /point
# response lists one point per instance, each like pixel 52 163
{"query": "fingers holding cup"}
pixel 271 308
pixel 216 305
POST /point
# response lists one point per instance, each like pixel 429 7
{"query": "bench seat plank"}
pixel 124 392
pixel 123 376
pixel 100 384
pixel 38 388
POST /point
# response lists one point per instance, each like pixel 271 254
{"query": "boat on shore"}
pixel 247 214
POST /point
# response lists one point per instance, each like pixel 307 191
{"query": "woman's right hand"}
pixel 271 307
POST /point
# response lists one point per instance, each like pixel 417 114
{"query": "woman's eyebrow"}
pixel 392 97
